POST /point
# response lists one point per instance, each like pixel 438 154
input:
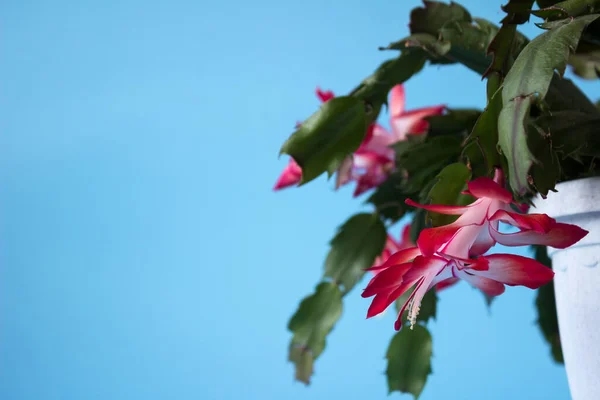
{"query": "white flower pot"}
pixel 577 283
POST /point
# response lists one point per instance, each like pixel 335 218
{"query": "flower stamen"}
pixel 413 312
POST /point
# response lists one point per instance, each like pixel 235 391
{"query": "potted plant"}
pixel 529 160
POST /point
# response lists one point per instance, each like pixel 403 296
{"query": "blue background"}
pixel 143 254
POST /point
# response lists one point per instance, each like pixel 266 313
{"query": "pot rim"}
pixel 578 196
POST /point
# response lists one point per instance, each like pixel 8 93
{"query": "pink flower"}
pixel 371 164
pixel 410 268
pixel 456 251
pixel 373 161
pixel 392 247
pixel 481 218
pixel 408 122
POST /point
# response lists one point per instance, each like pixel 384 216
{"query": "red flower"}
pixel 482 218
pixel 410 122
pixel 392 247
pixel 373 161
pixel 456 251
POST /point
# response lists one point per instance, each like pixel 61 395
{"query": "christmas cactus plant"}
pixel 455 173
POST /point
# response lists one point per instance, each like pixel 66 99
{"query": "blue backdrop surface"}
pixel 143 253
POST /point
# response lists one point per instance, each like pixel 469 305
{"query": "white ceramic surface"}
pixel 577 283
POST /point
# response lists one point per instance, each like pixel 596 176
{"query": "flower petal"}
pixel 439 208
pixel 393 247
pixel 499 176
pixel 324 95
pixel 397 100
pixel 424 265
pixel 380 302
pixel 430 239
pixel 537 222
pixel 369 160
pixel 389 296
pixel 387 279
pixel 365 182
pixel 484 241
pixel 485 187
pixel 374 175
pixel 516 270
pixel 291 176
pixel 560 236
pixel 419 127
pixel 405 238
pixel 401 257
pixel 486 285
pixel 344 172
pixel 407 122
pixel 460 243
pixel 378 142
pixel 475 264
pixel 446 283
pixel 445 274
pixel 368 134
